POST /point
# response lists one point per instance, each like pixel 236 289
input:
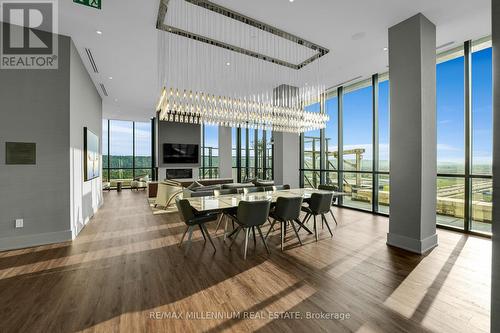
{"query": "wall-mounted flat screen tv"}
pixel 176 153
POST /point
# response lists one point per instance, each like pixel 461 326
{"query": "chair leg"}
pixel 263 239
pixel 202 232
pixel 183 235
pixel 204 227
pixel 315 230
pixel 282 234
pixel 191 228
pixel 218 223
pixel 324 219
pixel 302 226
pixel 271 224
pixel 254 238
pixel 296 233
pixel 247 231
pixel 225 228
pixel 235 236
pixel 305 220
pixel 334 219
pixel 270 229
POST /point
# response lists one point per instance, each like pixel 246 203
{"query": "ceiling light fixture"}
pixel 99 32
pixel 290 0
pixel 386 49
pixel 111 78
pixel 261 92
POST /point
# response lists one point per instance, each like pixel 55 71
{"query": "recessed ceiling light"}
pixel 290 0
pixel 99 32
pixel 111 78
pixel 385 49
pixel 228 63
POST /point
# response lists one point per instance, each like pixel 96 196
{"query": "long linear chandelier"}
pixel 198 107
pixel 249 82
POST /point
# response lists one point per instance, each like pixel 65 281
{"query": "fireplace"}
pixel 179 173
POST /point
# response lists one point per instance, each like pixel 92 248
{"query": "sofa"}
pixel 199 190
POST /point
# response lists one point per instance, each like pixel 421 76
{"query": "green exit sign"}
pixel 90 3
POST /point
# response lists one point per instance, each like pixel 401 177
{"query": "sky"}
pixel 358 118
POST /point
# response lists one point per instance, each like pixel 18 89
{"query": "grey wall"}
pixel 85 111
pixel 34 107
pixel 412 59
pixel 171 132
pixel 225 152
pixel 50 108
pixel 495 278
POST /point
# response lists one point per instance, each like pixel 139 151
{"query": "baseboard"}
pixel 419 246
pixel 19 242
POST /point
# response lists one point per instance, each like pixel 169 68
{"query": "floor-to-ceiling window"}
pixel 210 152
pixel 252 154
pixel 481 137
pixel 126 151
pixel 450 95
pixel 235 155
pixel 464 127
pixel 142 147
pixel 357 145
pixel 105 146
pixel 359 130
pixel 311 168
pixel 382 172
pixel 331 140
pixel 346 153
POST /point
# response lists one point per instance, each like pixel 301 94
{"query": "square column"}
pixel 225 153
pixel 412 63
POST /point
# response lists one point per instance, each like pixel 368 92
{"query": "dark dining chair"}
pixel 331 188
pixel 255 189
pixel 250 216
pixel 281 187
pixel 287 210
pixel 226 212
pixel 319 205
pixel 192 220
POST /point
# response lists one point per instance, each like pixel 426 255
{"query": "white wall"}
pixel 85 111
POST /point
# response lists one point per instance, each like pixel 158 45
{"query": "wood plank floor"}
pixel 125 273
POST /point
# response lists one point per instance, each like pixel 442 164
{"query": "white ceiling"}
pixel 355 31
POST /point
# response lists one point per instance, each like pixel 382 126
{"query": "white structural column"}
pixel 412 63
pixel 286 159
pixel 495 280
pixel 225 157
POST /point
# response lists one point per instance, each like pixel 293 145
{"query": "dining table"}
pixel 222 202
